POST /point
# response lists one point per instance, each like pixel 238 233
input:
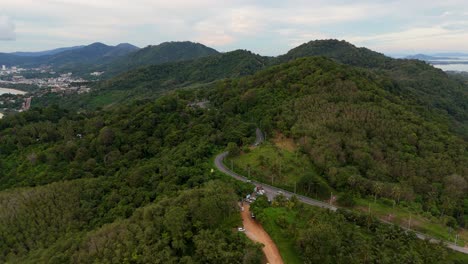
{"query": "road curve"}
pixel 271 192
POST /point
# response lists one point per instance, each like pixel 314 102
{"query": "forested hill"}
pixel 159 54
pixel 340 51
pixel 421 85
pixel 152 81
pixel 131 185
pixel 227 65
pixel 74 59
pixel 134 184
pixel 418 81
pixel 360 136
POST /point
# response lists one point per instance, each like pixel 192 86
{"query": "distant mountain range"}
pixel 156 54
pixel 451 54
pixel 67 58
pixel 46 52
pixel 110 59
pixel 408 78
pixel 441 58
pixel 425 57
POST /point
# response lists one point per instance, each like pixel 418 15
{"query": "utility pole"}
pixel 279 168
pixel 331 196
pixel 456 239
pixel 409 224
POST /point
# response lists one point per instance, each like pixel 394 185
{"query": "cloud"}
pixel 257 25
pixel 7 28
pixel 434 38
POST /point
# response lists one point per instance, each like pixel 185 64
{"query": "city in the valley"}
pixel 19 86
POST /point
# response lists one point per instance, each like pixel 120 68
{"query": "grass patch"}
pixel 401 216
pixel 272 163
pixel 279 167
pixel 459 257
pixel 284 241
pixel 264 165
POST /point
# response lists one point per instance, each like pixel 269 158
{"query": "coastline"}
pixel 10 91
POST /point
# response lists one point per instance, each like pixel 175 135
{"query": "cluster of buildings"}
pixel 38 82
pixel 63 83
pixel 9 70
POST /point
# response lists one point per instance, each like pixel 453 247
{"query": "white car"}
pixel 241 229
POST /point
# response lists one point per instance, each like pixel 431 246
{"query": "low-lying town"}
pixel 35 82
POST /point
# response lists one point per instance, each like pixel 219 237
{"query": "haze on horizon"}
pixel 266 27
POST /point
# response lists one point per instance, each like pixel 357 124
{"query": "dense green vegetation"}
pixel 442 97
pixel 358 135
pixel 158 54
pixel 290 169
pixel 319 236
pixel 133 183
pixel 93 171
pixel 153 81
pixel 418 83
pixel 85 221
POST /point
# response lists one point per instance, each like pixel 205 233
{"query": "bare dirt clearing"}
pixel 255 232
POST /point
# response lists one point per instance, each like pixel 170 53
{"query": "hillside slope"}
pixel 76 59
pixel 151 81
pixel 359 136
pixel 421 83
pixel 159 54
pixel 134 182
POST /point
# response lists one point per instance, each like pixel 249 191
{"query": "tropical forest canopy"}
pixel 132 182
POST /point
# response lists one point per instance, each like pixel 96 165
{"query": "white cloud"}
pixel 7 28
pixel 227 24
pixel 433 38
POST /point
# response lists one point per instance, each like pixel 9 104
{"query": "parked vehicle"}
pixel 241 229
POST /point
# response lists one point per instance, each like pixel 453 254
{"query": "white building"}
pixel 3 68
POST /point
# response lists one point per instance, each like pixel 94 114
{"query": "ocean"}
pixel 457 64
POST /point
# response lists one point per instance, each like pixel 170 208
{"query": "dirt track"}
pixel 256 233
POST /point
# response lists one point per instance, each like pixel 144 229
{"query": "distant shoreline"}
pixel 10 91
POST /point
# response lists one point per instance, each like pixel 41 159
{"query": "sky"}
pixel 267 27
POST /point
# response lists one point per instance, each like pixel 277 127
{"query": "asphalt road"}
pixel 271 192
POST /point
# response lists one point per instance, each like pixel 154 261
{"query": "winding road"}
pixel 271 192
